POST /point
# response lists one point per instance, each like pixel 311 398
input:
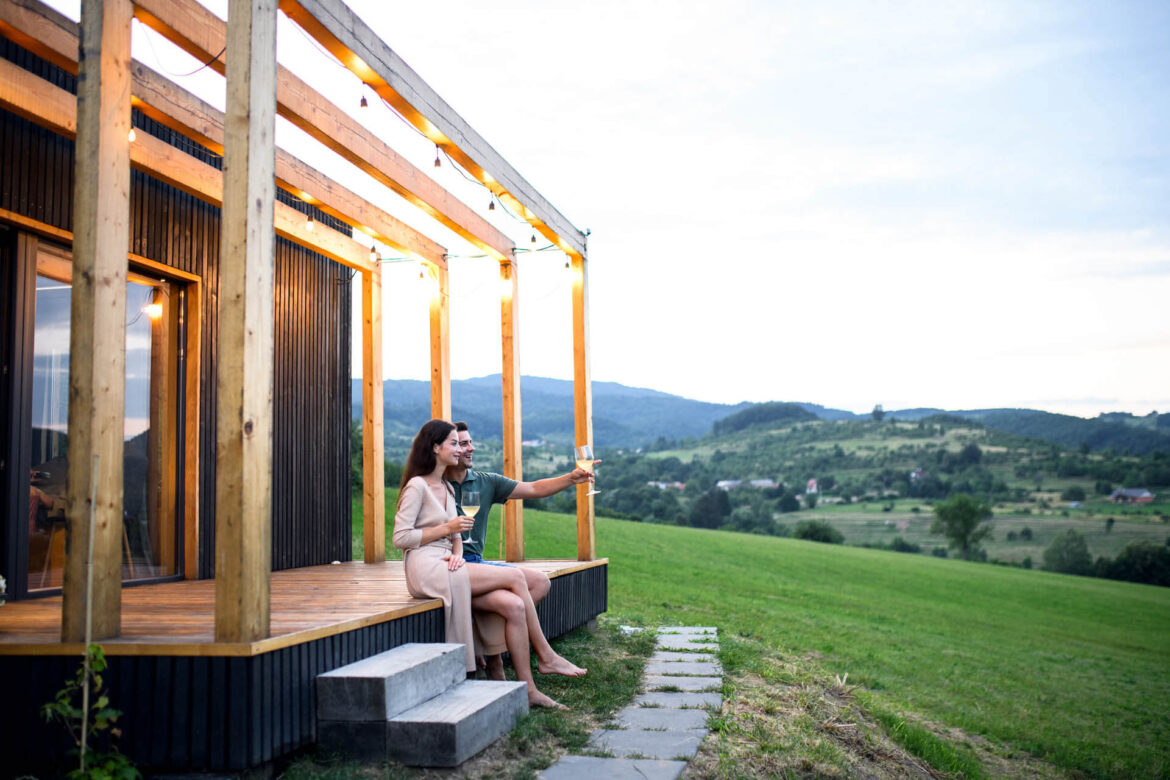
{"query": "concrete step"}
pixel 377 688
pixel 452 727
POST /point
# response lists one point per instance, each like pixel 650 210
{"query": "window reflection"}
pixel 150 458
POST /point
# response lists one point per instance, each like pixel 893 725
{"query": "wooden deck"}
pixel 178 618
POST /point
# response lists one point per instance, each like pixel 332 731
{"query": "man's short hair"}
pixel 460 426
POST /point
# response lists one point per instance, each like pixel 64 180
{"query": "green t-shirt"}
pixel 493 489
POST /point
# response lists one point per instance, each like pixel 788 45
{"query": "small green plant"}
pixel 92 731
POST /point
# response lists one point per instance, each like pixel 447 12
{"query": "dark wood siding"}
pixel 311 487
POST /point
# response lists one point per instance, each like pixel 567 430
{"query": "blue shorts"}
pixel 477 558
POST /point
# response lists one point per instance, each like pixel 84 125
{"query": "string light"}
pixel 132 136
pixel 438 164
pixel 310 225
pixel 492 205
pixel 365 103
pixel 534 238
pixel 373 255
pixel 153 310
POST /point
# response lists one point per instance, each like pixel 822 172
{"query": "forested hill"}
pixel 622 416
pixel 635 417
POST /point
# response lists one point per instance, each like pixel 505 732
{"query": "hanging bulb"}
pixel 365 103
pixel 310 225
pixel 566 265
pixel 492 205
pixel 422 274
pixel 131 136
pixel 373 255
pixel 534 238
pixel 437 163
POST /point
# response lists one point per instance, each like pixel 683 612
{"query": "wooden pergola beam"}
pixel 53 37
pixel 200 33
pixel 582 403
pixel 97 340
pixel 510 375
pixel 243 462
pixel 351 40
pixel 53 108
pixel 373 422
pixel 440 342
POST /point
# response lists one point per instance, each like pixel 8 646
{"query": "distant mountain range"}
pixel 633 417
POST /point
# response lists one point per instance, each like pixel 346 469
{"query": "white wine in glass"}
pixel 585 461
pixel 470 504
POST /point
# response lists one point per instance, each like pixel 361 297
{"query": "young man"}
pixel 496 489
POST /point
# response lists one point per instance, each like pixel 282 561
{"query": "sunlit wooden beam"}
pixel 244 415
pixel 513 462
pixel 97 332
pixel 53 37
pixel 582 403
pixel 200 33
pixel 373 423
pixel 351 40
pixel 440 343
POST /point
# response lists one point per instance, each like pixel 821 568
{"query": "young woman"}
pixel 427 529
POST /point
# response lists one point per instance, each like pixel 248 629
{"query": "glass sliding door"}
pixel 151 460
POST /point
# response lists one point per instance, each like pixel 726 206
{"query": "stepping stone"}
pixel 667 656
pixel 678 700
pixel 451 728
pixel 650 744
pixel 712 630
pixel 576 767
pixel 383 685
pixel 648 718
pixel 683 642
pixel 679 667
pixel 656 682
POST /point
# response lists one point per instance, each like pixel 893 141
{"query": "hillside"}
pixel 622 416
pixel 970 665
pixel 630 417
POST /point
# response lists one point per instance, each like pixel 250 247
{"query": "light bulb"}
pixel 491 205
pixel 373 255
pixel 310 225
pixel 365 103
pixel 534 238
pixel 153 310
pixel 437 163
pixel 131 136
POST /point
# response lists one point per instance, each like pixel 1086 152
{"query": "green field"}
pixel 867 524
pixel 1075 671
pixel 1072 670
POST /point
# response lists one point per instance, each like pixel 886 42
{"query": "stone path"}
pixel 654 737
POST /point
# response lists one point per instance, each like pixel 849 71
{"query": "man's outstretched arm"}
pixel 543 488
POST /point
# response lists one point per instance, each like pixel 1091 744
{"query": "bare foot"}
pixel 495 667
pixel 538 699
pixel 560 666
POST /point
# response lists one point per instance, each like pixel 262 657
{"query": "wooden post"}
pixel 97 340
pixel 373 438
pixel 582 403
pixel 513 467
pixel 243 464
pixel 440 341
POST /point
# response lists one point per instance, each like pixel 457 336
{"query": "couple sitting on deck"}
pixel 428 527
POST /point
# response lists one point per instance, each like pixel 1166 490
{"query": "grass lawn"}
pixel 1075 671
pixel 1072 670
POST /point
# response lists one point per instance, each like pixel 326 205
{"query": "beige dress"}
pixel 427 575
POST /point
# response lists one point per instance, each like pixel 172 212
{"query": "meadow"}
pixel 1075 671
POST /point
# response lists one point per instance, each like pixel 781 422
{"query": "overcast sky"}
pixel 961 205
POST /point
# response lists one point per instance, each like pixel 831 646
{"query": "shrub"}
pixel 901 545
pixel 1027 562
pixel 1026 534
pixel 818 531
pixel 1012 536
pixel 1074 493
pixel 1068 554
pixel 939 552
pixel 1139 562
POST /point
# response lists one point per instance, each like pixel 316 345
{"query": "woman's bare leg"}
pixel 548 661
pixel 511 606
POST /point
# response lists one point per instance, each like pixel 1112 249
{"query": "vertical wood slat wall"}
pixel 311 476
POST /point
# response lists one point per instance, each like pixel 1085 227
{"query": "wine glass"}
pixel 584 455
pixel 470 504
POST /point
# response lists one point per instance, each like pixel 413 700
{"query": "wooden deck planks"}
pixel 178 618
